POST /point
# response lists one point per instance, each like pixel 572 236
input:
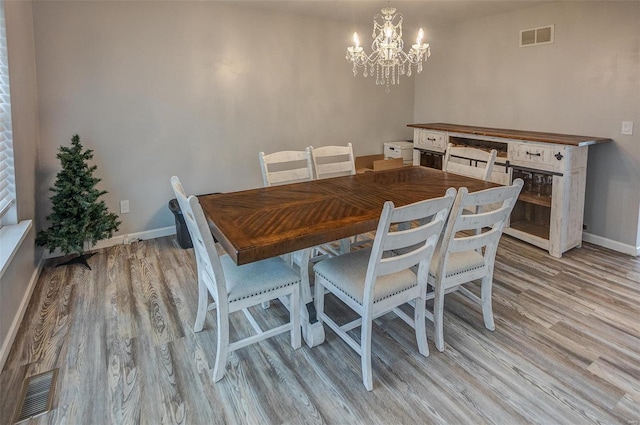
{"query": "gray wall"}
pixel 586 83
pixel 197 89
pixel 14 283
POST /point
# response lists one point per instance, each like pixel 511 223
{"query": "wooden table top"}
pixel 261 223
pixel 533 136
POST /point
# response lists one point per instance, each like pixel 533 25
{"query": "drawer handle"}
pixel 533 154
pixel 431 139
pixel 558 156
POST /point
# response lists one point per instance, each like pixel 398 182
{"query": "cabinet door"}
pixel 567 211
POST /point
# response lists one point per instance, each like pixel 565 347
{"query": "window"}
pixel 12 233
pixel 7 176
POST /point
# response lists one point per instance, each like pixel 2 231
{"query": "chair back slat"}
pixel 468 221
pixel 335 168
pixel 475 242
pixel 466 170
pixel 400 239
pixel 296 175
pixel 388 265
pixel 486 197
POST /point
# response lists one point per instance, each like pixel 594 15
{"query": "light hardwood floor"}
pixel 566 350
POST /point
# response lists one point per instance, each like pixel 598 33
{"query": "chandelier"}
pixel 388 61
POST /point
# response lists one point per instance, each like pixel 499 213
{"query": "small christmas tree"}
pixel 77 216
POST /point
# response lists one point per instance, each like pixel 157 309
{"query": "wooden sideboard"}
pixel 549 212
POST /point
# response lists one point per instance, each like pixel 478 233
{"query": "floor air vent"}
pixel 36 396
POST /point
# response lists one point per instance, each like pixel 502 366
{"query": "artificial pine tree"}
pixel 77 216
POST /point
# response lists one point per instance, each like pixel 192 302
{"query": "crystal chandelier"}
pixel 388 60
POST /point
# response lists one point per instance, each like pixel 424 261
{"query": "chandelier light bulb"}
pixel 420 37
pixel 356 40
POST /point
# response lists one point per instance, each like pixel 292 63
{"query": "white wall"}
pixel 197 89
pixel 586 83
pixel 19 278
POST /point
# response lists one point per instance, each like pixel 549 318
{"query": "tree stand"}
pixel 80 260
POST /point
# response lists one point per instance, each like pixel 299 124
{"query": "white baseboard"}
pixel 121 240
pixel 171 230
pixel 17 320
pixel 610 244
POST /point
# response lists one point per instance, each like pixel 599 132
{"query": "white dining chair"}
pixel 285 167
pixel 333 161
pixel 234 288
pixel 468 161
pixel 468 248
pixel 375 281
pixel 336 161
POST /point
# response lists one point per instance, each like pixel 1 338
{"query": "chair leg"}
pixel 487 310
pixel 420 326
pixel 438 317
pixel 365 352
pixel 222 351
pixel 294 318
pixel 319 299
pixel 203 303
pixel 288 258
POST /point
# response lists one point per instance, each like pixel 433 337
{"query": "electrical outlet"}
pixel 627 128
pixel 124 206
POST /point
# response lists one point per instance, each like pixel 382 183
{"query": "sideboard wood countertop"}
pixel 534 136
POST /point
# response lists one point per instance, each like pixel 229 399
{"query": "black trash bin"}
pixel 182 233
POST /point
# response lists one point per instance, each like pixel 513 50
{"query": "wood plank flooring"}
pixel 566 350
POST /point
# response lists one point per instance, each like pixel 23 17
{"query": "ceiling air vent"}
pixel 535 36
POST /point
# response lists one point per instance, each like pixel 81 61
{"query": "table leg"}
pixel 312 329
pixel 345 245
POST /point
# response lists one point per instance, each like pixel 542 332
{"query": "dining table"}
pixel 252 225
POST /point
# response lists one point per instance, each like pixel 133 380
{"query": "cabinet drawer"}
pixel 548 158
pixel 430 140
pixel 402 150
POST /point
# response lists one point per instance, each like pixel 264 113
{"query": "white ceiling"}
pixel 421 12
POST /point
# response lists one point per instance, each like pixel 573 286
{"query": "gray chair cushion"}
pixel 459 262
pixel 348 271
pixel 256 278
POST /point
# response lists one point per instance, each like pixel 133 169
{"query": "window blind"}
pixel 7 175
